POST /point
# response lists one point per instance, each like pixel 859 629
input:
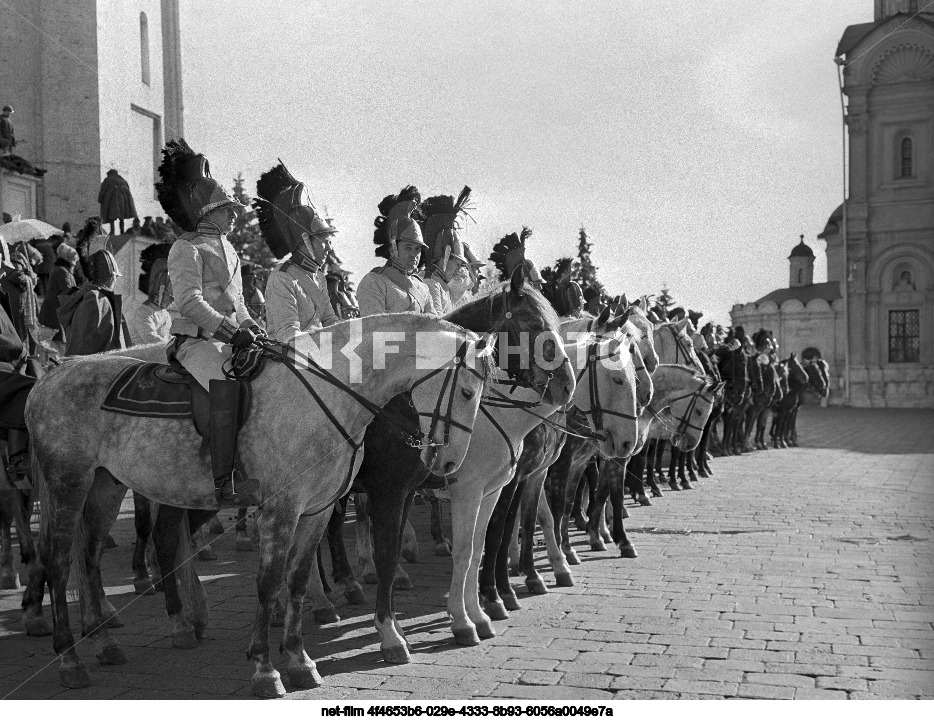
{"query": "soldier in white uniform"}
pixel 209 314
pixel 447 273
pixel 396 287
pixel 297 299
pixel 151 322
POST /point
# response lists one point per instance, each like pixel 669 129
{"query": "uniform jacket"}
pixel 205 273
pixel 440 296
pixel 92 319
pixel 296 301
pixel 61 280
pixel 149 324
pixel 389 290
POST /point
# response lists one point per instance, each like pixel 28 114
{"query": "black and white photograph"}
pixel 481 358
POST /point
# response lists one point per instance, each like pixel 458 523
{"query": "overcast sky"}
pixel 694 141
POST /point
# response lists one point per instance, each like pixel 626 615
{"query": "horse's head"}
pixel 797 376
pixel 612 323
pixel 606 389
pixel 447 397
pixel 529 347
pixel 691 410
pixel 818 380
pixel 675 346
pixel 639 320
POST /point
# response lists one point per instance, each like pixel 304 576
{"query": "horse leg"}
pixel 243 542
pixel 341 571
pixel 60 518
pixel 386 519
pixel 577 499
pixel 672 468
pixel 196 595
pixel 277 542
pixel 36 624
pixel 465 511
pixel 532 495
pixel 559 562
pixel 682 464
pixel 617 496
pixel 481 621
pixel 660 460
pixel 8 578
pixel 442 544
pixel 364 531
pixel 409 548
pixel 170 553
pixel 302 568
pixel 205 552
pixel 216 526
pixel 635 472
pixel 649 465
pixel 503 586
pixel 142 520
pixel 595 514
pixel 322 609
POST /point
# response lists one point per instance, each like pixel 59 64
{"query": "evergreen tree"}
pixel 583 270
pixel 245 235
pixel 665 300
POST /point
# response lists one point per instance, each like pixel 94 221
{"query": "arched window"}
pixel 800 276
pixel 905 164
pixel 144 46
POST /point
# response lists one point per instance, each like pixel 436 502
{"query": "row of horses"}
pixel 511 440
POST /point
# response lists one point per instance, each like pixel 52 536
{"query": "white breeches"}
pixel 204 359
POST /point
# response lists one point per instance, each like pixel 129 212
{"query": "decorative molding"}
pixel 857 124
pixel 910 62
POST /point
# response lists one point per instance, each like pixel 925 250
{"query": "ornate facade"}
pixel 888 81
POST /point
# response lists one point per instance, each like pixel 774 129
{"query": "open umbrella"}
pixel 31 229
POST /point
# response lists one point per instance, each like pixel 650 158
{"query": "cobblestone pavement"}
pixel 802 573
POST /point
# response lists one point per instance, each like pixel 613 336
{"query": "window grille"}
pixel 904 336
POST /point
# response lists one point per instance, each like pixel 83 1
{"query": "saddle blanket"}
pixel 151 390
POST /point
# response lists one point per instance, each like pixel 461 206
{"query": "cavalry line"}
pixel 799 573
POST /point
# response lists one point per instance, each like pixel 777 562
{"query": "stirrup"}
pixel 237 492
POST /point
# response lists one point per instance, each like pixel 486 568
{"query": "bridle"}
pixel 684 422
pixel 596 411
pixel 681 349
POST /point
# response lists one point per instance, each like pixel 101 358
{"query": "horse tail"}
pixel 40 494
pixel 79 561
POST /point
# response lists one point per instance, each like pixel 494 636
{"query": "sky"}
pixel 694 141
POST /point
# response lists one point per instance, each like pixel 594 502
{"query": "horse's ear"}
pixel 518 278
pixel 623 303
pixel 681 324
pixel 620 320
pixel 604 317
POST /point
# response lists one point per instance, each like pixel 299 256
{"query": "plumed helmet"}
pixel 676 314
pixel 103 268
pixel 395 222
pixel 285 211
pixel 760 338
pixel 440 221
pixel 509 253
pixel 187 192
pixel 564 294
pixel 154 278
pixel 695 316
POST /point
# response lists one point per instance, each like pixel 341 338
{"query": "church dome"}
pixel 802 250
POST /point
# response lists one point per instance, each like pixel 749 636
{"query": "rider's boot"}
pixel 18 468
pixel 231 487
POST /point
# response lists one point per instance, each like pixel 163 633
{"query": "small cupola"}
pixel 801 265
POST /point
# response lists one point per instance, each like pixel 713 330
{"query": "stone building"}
pixel 95 85
pixel 888 273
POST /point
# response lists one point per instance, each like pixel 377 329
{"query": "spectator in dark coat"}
pixel 92 315
pixel 44 268
pixel 116 200
pixel 61 281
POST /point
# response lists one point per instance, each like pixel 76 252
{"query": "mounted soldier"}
pixel 396 287
pixel 296 293
pixel 210 317
pixel 509 253
pixel 151 322
pixel 447 273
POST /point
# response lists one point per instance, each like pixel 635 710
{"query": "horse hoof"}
pixel 572 557
pixel 9 581
pixel 244 544
pixel 657 493
pixel 623 512
pixel 355 596
pixel 673 485
pixel 686 486
pixel 268 686
pixel 409 554
pixel 510 602
pixel 598 545
pixel 443 548
pixel 184 639
pixel 113 621
pixel 304 677
pixel 38 627
pixel 485 630
pixel 702 473
pixel 111 656
pixel 207 554
pixel 536 586
pixel 643 500
pixel 466 636
pixel 495 610
pixel 627 552
pixel 143 587
pixel 75 677
pixel 199 628
pixel 565 580
pixel 325 615
pixel 370 577
pixel 514 569
pixel 402 583
pixel 396 654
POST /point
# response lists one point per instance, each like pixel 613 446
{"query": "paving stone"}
pixel 754 690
